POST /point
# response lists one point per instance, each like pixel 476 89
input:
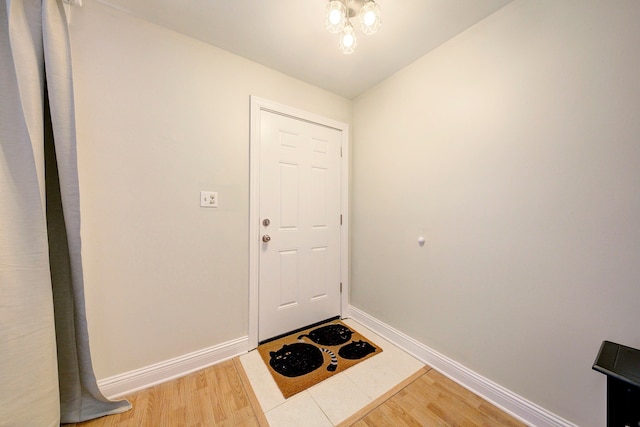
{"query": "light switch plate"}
pixel 208 199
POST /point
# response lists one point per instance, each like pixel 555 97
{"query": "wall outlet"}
pixel 208 199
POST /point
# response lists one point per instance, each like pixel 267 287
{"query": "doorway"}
pixel 298 219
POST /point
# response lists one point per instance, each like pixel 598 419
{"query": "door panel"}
pixel 299 267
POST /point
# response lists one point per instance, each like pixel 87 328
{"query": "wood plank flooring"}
pixel 222 396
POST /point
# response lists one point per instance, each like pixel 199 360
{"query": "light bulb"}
pixel 335 17
pixel 347 40
pixel 369 18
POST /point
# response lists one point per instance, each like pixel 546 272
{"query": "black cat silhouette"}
pixel 329 335
pixel 356 350
pixel 294 360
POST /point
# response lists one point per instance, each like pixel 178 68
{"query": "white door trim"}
pixel 258 105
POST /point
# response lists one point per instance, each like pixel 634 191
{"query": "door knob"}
pixel 266 238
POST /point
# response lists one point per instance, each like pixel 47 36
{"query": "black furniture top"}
pixel 620 362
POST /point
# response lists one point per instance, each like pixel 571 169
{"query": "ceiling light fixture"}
pixel 338 17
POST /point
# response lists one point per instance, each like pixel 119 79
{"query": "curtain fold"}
pixel 41 280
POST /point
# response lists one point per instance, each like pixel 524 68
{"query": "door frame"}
pixel 257 106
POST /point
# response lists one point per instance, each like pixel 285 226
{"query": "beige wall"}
pixel 161 117
pixel 514 149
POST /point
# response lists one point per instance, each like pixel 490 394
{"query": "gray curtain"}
pixel 46 376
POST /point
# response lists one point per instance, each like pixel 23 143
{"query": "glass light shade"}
pixel 348 39
pixel 336 16
pixel 369 17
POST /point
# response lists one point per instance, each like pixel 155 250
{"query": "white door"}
pixel 299 264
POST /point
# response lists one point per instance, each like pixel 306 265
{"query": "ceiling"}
pixel 289 35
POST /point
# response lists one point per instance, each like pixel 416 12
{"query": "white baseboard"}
pixel 519 407
pixel 132 381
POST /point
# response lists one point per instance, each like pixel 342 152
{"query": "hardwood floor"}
pixel 215 396
pixel 434 400
pixel 221 396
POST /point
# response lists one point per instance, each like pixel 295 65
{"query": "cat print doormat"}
pixel 304 358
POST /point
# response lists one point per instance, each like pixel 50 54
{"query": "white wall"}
pixel 161 117
pixel 515 150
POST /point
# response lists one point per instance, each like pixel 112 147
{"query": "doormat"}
pixel 302 359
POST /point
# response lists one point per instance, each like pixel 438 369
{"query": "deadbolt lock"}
pixel 266 222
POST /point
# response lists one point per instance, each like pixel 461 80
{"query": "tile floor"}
pixel 335 399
